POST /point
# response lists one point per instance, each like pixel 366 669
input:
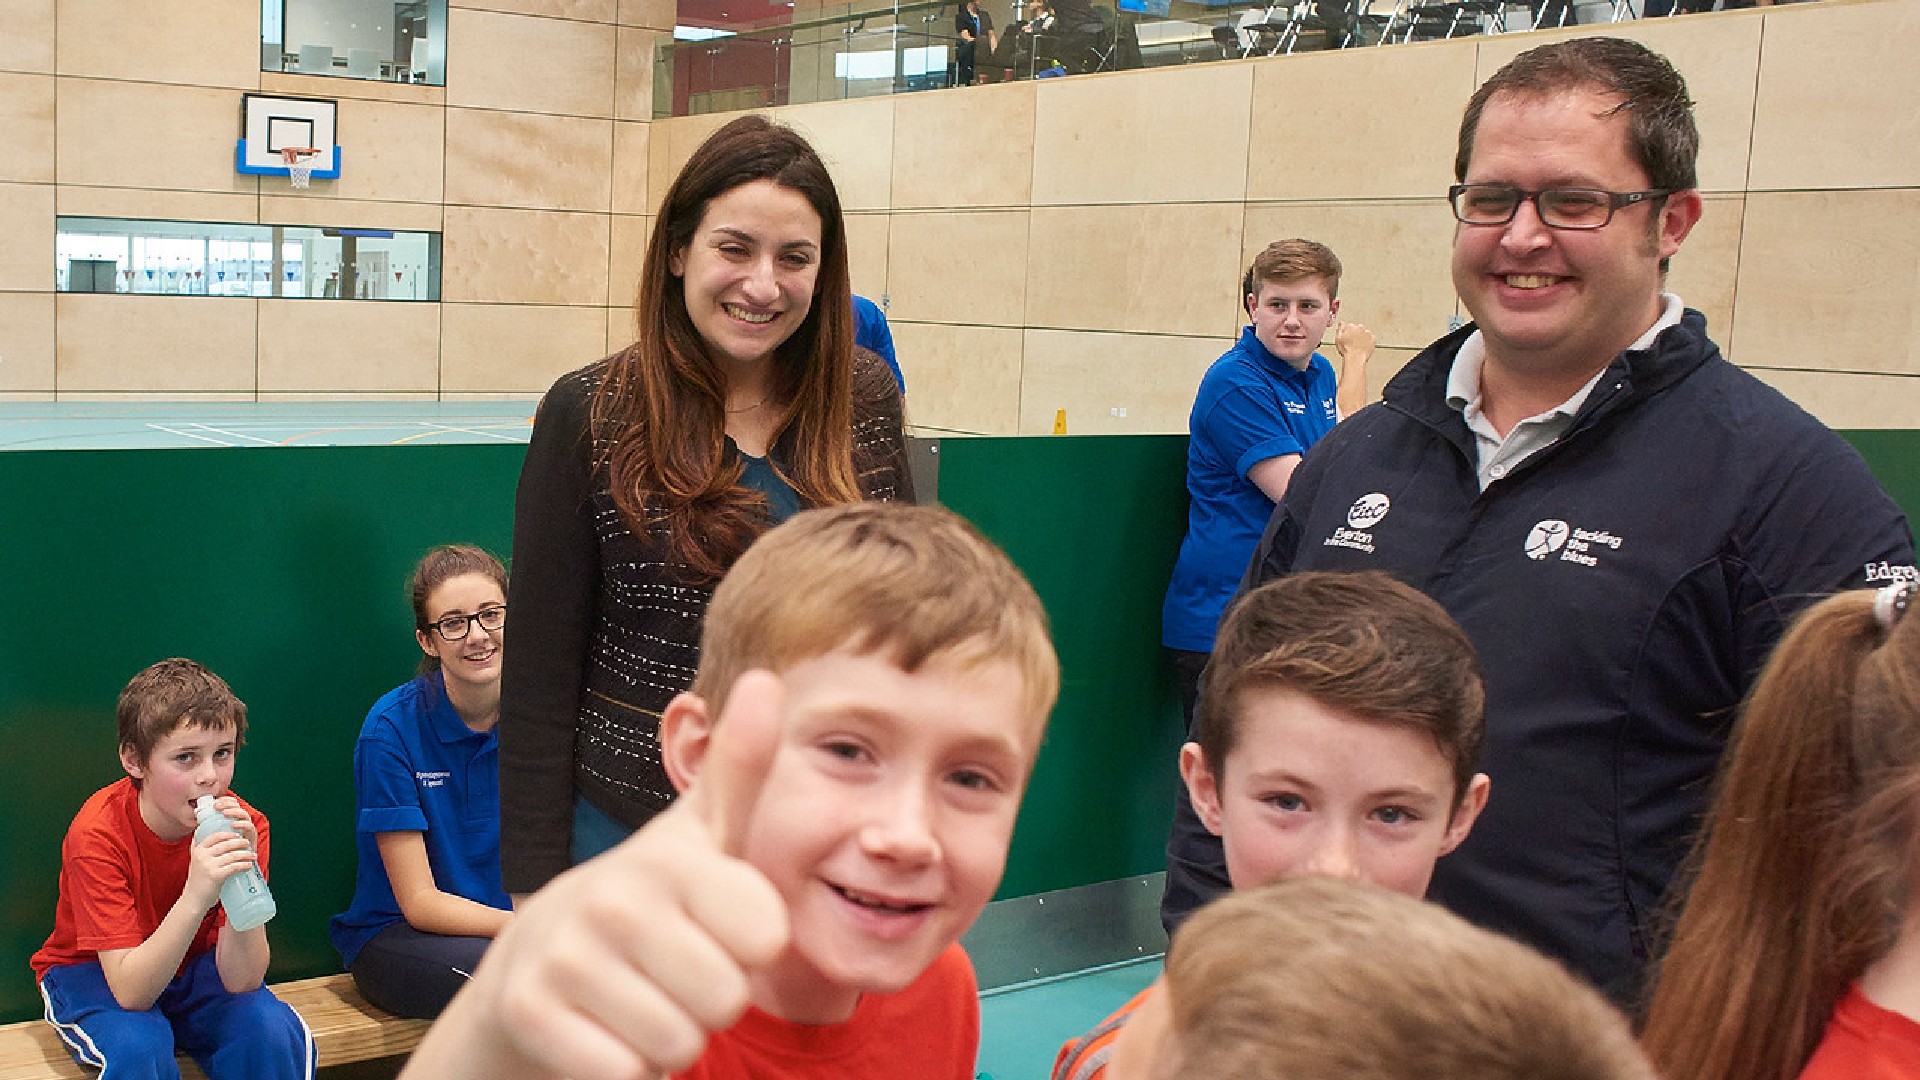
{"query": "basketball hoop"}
pixel 299 161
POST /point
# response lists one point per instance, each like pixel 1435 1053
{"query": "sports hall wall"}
pixel 1062 244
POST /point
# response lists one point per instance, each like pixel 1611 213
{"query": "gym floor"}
pixel 1022 1027
pixel 66 425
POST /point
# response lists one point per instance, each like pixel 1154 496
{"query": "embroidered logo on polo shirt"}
pixel 1545 539
pixel 1555 537
pixel 1886 572
pixel 432 779
pixel 1366 512
pixel 1329 410
pixel 1294 408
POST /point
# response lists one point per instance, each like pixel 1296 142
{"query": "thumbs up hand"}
pixel 622 967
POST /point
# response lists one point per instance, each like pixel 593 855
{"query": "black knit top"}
pixel 605 632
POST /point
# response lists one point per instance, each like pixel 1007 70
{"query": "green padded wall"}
pixel 1895 459
pixel 1096 523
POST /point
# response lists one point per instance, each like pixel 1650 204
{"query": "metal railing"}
pixel 861 50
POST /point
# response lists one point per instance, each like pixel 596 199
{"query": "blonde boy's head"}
pixel 906 582
pixel 916 677
pixel 1314 977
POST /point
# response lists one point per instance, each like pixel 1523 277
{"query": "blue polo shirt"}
pixel 1251 406
pixel 419 768
pixel 871 332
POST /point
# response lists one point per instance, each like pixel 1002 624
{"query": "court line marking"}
pixel 235 434
pixel 312 434
pixel 446 429
pixel 189 435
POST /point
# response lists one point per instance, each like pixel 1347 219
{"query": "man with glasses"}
pixel 1621 520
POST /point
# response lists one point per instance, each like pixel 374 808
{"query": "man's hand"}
pixel 623 966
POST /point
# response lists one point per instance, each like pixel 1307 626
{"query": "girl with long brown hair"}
pixel 741 400
pixel 1797 953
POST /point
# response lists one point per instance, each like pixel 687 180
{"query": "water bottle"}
pixel 244 895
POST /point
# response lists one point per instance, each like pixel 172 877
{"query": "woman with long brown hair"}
pixel 741 400
pixel 1797 953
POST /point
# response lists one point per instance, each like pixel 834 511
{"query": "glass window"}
pixel 388 40
pixel 190 258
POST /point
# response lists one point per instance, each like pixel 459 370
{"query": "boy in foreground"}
pixel 1339 723
pixel 1314 977
pixel 141 960
pixel 850 761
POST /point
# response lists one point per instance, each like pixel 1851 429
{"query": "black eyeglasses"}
pixel 455 627
pixel 1559 208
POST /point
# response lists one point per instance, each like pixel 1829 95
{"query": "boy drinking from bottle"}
pixel 141 962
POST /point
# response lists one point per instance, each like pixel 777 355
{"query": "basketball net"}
pixel 299 161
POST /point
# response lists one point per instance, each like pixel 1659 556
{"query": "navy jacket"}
pixel 1622 587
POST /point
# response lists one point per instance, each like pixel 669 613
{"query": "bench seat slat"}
pixel 345 1028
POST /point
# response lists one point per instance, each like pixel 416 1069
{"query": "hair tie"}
pixel 1890 604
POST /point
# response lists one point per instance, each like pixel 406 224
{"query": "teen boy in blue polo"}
pixel 1259 409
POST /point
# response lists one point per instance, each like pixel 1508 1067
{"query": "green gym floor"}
pixel 1054 964
pixel 66 425
pixel 1022 1026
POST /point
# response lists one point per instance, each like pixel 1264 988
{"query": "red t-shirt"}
pixel 1866 1042
pixel 118 881
pixel 1085 1058
pixel 929 1031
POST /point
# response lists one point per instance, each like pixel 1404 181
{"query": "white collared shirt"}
pixel 1497 456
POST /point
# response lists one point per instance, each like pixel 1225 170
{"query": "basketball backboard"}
pixel 269 123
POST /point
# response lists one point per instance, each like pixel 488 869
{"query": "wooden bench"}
pixel 345 1029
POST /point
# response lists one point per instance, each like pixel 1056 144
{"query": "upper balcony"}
pixel 751 56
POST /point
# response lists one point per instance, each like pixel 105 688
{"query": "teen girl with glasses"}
pixel 426 773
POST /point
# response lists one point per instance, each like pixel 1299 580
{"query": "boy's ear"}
pixel 686 731
pixel 1461 823
pixel 1203 788
pixel 130 761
